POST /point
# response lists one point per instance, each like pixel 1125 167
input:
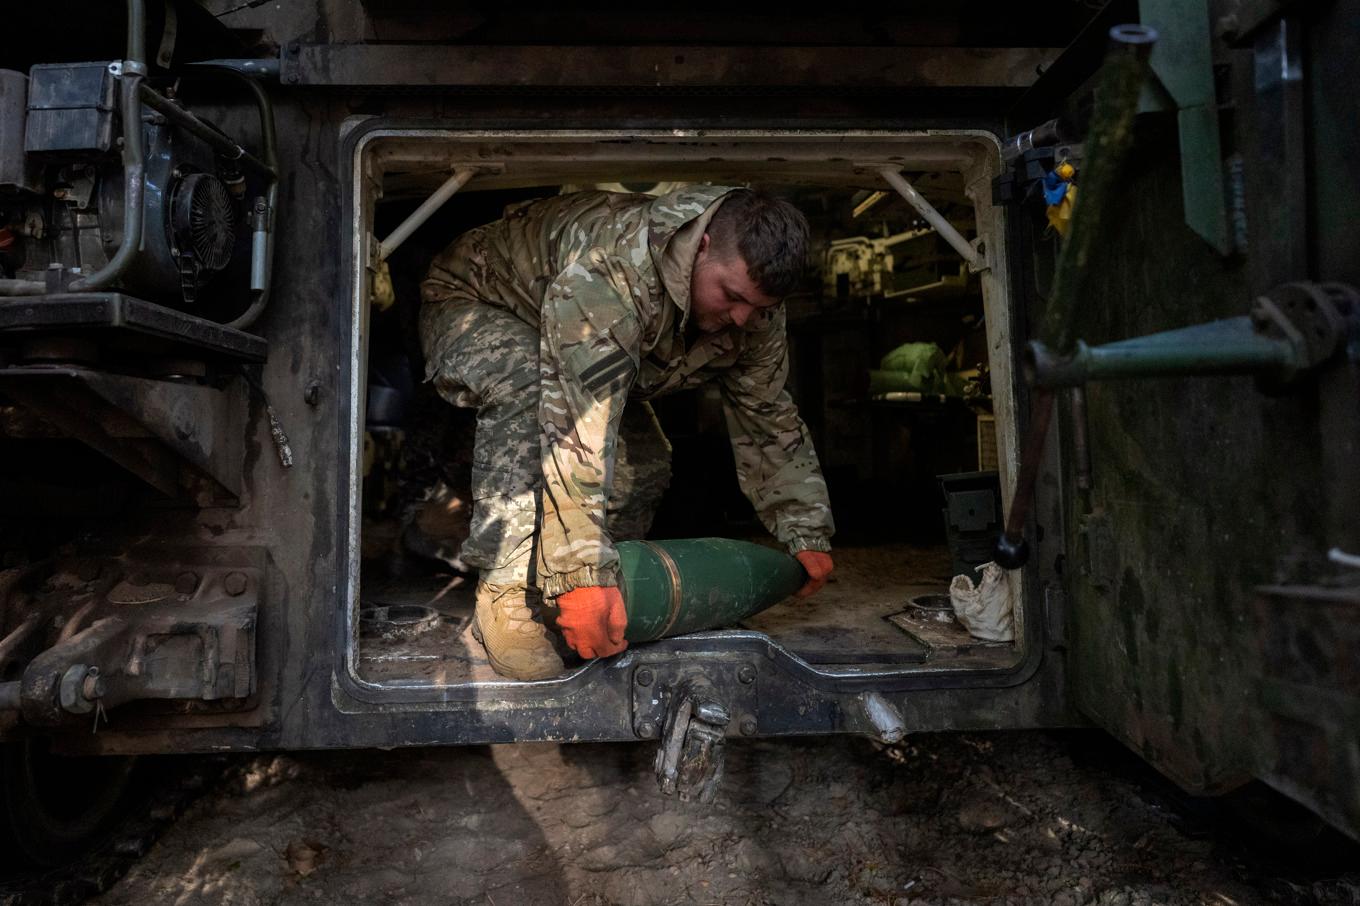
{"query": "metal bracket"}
pixel 1292 330
pixel 1311 317
pixel 136 630
pixel 460 177
pixel 693 703
pixel 165 54
pixel 151 428
pixel 1183 63
pixel 141 328
pixel 655 685
pixel 1101 553
pixel 373 256
pixel 971 251
pixel 689 763
pixel 80 689
pixel 80 186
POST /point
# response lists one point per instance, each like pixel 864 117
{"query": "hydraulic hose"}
pixel 261 270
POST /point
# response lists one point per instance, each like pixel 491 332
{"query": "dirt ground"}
pixel 951 818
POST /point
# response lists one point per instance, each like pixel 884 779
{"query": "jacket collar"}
pixel 676 223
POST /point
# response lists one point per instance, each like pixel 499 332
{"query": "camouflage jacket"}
pixel 605 278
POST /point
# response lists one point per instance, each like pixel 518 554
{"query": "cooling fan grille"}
pixel 205 218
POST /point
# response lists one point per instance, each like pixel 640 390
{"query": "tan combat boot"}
pixel 509 624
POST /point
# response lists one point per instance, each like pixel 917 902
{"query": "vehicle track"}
pixel 165 788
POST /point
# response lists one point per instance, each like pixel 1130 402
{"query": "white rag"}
pixel 984 609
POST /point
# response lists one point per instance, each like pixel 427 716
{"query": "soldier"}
pixel 547 321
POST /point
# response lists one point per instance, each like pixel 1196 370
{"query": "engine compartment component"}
pixel 71 109
pixel 193 220
pixel 107 181
pixel 185 206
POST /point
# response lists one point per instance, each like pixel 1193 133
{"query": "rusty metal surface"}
pixel 179 437
pixel 1190 493
pixel 304 696
pixel 1176 474
pixel 1309 640
pixel 744 67
pixel 1201 489
pixel 100 633
pixel 599 708
pixel 154 325
pixel 689 760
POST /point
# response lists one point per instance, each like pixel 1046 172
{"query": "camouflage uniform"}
pixel 548 321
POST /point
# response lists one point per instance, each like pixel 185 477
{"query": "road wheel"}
pixel 57 807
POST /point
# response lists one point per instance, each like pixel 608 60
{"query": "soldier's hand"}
pixel 818 566
pixel 593 620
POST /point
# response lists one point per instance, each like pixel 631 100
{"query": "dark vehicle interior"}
pixel 890 370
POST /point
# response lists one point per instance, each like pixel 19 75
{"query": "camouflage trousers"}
pixel 489 362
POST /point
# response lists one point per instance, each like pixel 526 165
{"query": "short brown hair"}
pixel 770 234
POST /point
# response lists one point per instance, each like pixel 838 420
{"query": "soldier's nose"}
pixel 741 314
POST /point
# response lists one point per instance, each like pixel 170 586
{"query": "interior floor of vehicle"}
pixel 889 369
pixel 886 607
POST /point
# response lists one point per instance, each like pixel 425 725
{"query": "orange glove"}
pixel 818 566
pixel 592 619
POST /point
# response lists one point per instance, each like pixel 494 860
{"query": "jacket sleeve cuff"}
pixel 586 576
pixel 809 543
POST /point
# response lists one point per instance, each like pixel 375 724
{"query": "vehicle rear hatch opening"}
pixel 901 367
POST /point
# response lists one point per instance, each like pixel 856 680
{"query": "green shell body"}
pixel 692 584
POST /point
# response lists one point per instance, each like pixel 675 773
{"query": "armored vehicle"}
pixel 1116 245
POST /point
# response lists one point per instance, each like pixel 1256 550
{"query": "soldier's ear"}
pixel 703 248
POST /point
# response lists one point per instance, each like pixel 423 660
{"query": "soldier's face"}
pixel 721 292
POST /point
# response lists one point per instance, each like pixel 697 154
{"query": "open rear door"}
pixel 1209 487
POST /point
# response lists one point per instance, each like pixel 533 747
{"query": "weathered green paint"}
pixel 1227 346
pixel 1209 488
pixel 1208 630
pixel 1202 197
pixel 674 587
pixel 1183 64
pixel 1310 691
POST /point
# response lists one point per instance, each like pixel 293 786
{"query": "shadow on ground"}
pixel 968 818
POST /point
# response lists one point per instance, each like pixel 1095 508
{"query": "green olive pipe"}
pixel 1230 346
pixel 692 584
